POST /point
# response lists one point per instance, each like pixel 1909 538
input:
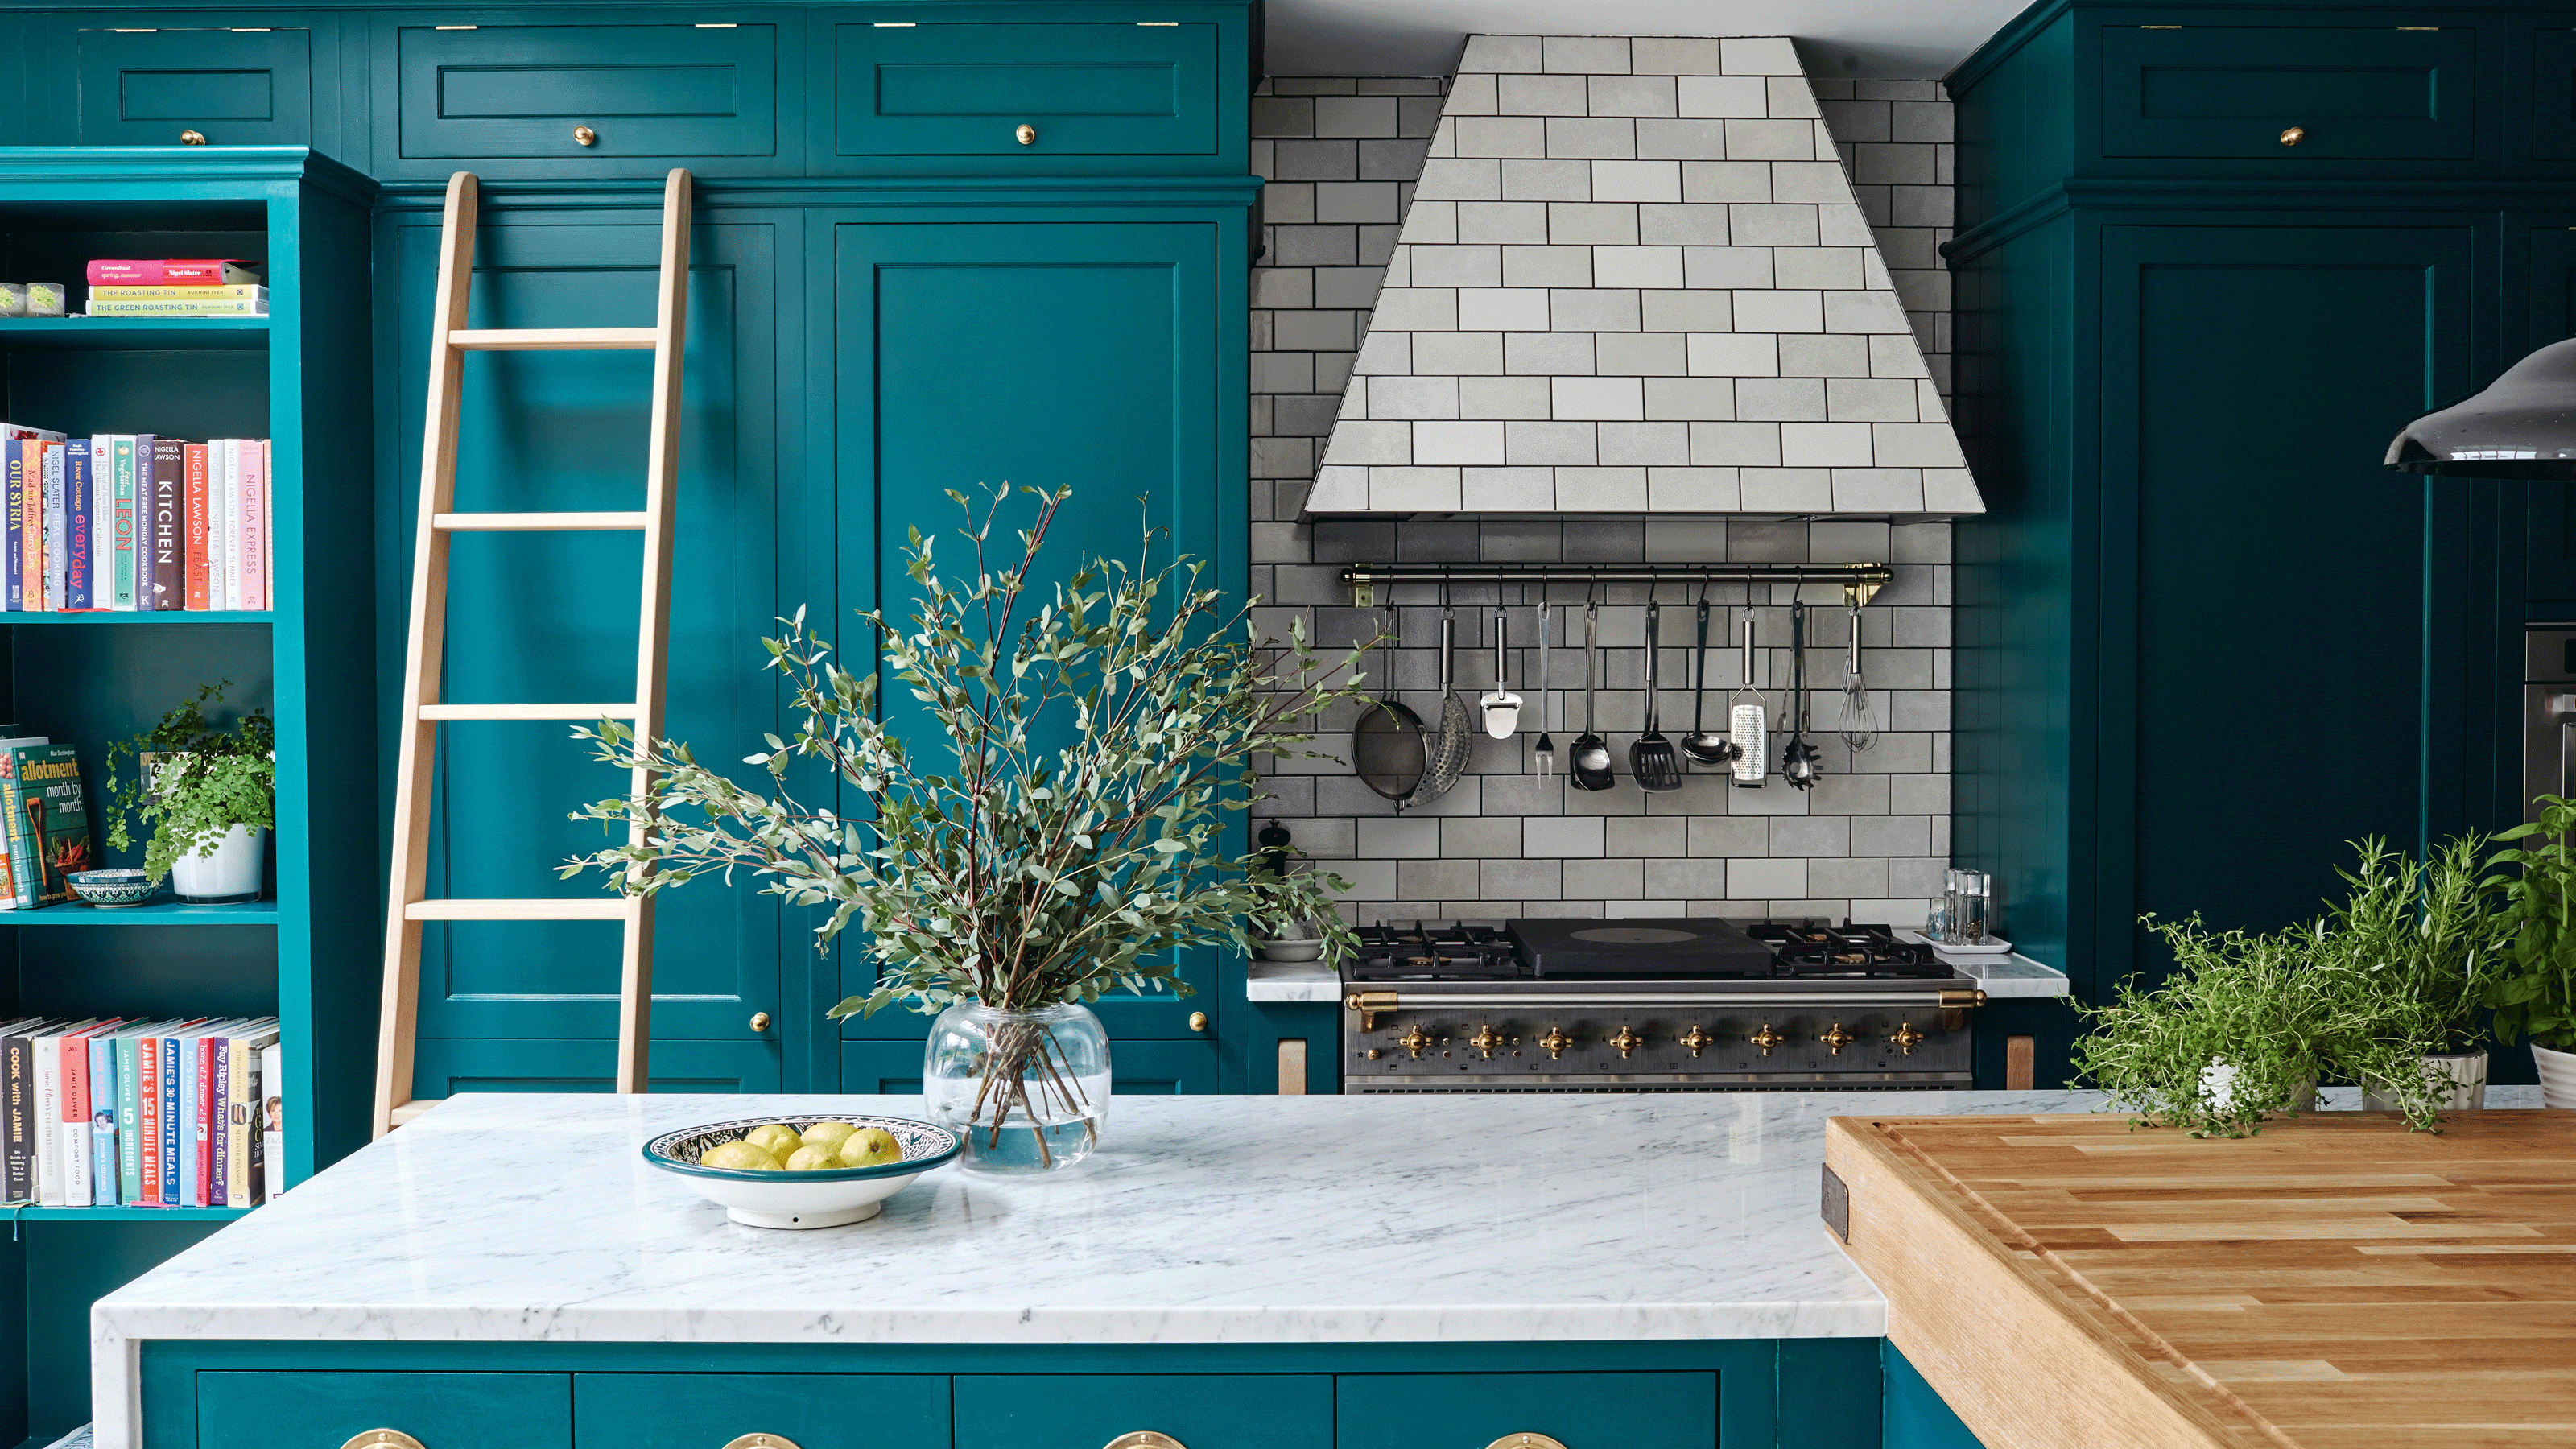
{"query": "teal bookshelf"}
pixel 308 950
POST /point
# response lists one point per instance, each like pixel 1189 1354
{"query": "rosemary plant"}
pixel 980 863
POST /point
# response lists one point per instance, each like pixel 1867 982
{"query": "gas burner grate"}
pixel 1433 953
pixel 1822 949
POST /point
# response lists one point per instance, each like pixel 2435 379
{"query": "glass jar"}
pixel 1027 1089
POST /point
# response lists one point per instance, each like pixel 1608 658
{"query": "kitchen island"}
pixel 1307 1272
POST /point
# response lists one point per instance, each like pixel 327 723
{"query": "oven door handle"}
pixel 1950 998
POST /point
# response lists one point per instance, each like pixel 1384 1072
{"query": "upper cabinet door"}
pixel 575 94
pixel 1120 88
pixel 228 87
pixel 2288 94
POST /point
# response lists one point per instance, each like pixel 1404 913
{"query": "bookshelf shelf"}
pixel 153 334
pixel 175 616
pixel 158 913
pixel 122 1214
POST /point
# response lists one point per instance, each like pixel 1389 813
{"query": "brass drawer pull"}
pixel 384 1439
pixel 1525 1440
pixel 1027 133
pixel 761 1441
pixel 759 1022
pixel 585 135
pixel 192 138
pixel 1198 1021
pixel 1144 1439
pixel 2294 135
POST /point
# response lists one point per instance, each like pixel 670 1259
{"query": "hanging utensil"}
pixel 1798 761
pixel 1388 750
pixel 1704 747
pixel 1591 753
pixel 1502 707
pixel 1747 730
pixel 1448 748
pixel 1859 731
pixel 1543 758
pixel 1650 756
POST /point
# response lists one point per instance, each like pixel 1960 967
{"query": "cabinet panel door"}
pixel 2258 560
pixel 553 616
pixel 2549 536
pixel 269 1410
pixel 1112 89
pixel 1050 354
pixel 1203 1411
pixel 2231 91
pixel 234 87
pixel 811 1411
pixel 446 1066
pixel 2553 95
pixel 642 90
pixel 1136 1068
pixel 1580 1411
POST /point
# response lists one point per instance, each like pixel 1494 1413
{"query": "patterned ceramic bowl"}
pixel 824 1199
pixel 112 887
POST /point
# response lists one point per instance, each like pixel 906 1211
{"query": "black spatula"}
pixel 1652 759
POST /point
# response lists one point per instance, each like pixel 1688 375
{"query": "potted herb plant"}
pixel 1040 814
pixel 209 793
pixel 2410 949
pixel 2533 988
pixel 2230 1037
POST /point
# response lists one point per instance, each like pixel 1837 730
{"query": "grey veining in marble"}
pixel 1304 981
pixel 1202 1219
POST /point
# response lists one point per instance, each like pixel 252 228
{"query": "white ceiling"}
pixel 1885 38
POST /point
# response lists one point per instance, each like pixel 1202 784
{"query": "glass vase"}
pixel 1027 1089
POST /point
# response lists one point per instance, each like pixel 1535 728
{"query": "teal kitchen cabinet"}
pixel 891 1064
pixel 2352 92
pixel 2548 314
pixel 811 1411
pixel 232 87
pixel 1631 1410
pixel 1203 1411
pixel 262 1410
pixel 1105 88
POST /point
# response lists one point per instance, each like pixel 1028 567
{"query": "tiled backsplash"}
pixel 1341 155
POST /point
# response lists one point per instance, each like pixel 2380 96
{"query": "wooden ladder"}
pixel 399 1023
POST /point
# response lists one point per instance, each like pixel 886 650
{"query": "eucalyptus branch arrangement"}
pixel 2533 990
pixel 194 781
pixel 983 862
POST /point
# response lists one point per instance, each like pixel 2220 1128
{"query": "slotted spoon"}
pixel 1651 757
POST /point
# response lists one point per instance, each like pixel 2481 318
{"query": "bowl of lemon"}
pixel 802 1172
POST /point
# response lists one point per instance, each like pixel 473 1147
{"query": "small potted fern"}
pixel 209 794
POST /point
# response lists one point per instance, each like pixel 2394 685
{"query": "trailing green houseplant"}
pixel 982 865
pixel 2229 1037
pixel 2533 989
pixel 194 782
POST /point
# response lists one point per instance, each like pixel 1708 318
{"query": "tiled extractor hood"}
pixel 1634 280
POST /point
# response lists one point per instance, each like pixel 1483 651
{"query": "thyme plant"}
pixel 201 780
pixel 2233 1001
pixel 2533 990
pixel 980 863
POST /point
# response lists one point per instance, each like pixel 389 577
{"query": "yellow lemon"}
pixel 870 1147
pixel 812 1157
pixel 827 1134
pixel 777 1139
pixel 739 1157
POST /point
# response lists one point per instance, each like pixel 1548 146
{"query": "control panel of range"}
pixel 1730 1040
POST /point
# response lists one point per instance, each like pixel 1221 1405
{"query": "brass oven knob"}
pixel 192 138
pixel 383 1439
pixel 1626 1041
pixel 1556 1041
pixel 2294 135
pixel 1766 1038
pixel 585 135
pixel 1028 134
pixel 1695 1039
pixel 761 1441
pixel 1144 1439
pixel 1837 1038
pixel 1486 1039
pixel 1416 1040
pixel 1907 1038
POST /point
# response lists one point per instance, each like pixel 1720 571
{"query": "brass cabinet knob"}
pixel 1907 1038
pixel 1141 1438
pixel 1696 1039
pixel 381 1438
pixel 1556 1041
pixel 192 138
pixel 1027 133
pixel 1766 1038
pixel 1837 1038
pixel 1626 1041
pixel 1198 1021
pixel 761 1441
pixel 2294 135
pixel 1486 1039
pixel 1525 1440
pixel 759 1022
pixel 585 135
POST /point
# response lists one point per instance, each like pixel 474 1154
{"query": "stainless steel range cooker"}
pixel 1664 1004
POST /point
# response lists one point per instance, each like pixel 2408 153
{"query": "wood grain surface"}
pixel 2333 1283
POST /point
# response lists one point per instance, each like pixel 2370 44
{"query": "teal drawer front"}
pixel 1203 1411
pixel 811 1411
pixel 1137 1068
pixel 2230 92
pixel 326 1410
pixel 640 90
pixel 234 87
pixel 1118 89
pixel 1580 1411
pixel 2553 95
pixel 445 1066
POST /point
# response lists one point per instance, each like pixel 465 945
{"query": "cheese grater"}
pixel 1745 724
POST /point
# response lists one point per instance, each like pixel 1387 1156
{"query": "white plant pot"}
pixel 2218 1081
pixel 231 873
pixel 2557 1076
pixel 2468 1073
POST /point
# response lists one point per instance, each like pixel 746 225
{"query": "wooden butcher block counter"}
pixel 2333 1283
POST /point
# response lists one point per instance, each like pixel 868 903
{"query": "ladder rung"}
pixel 555 339
pixel 562 910
pixel 535 522
pixel 529 711
pixel 413 1111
